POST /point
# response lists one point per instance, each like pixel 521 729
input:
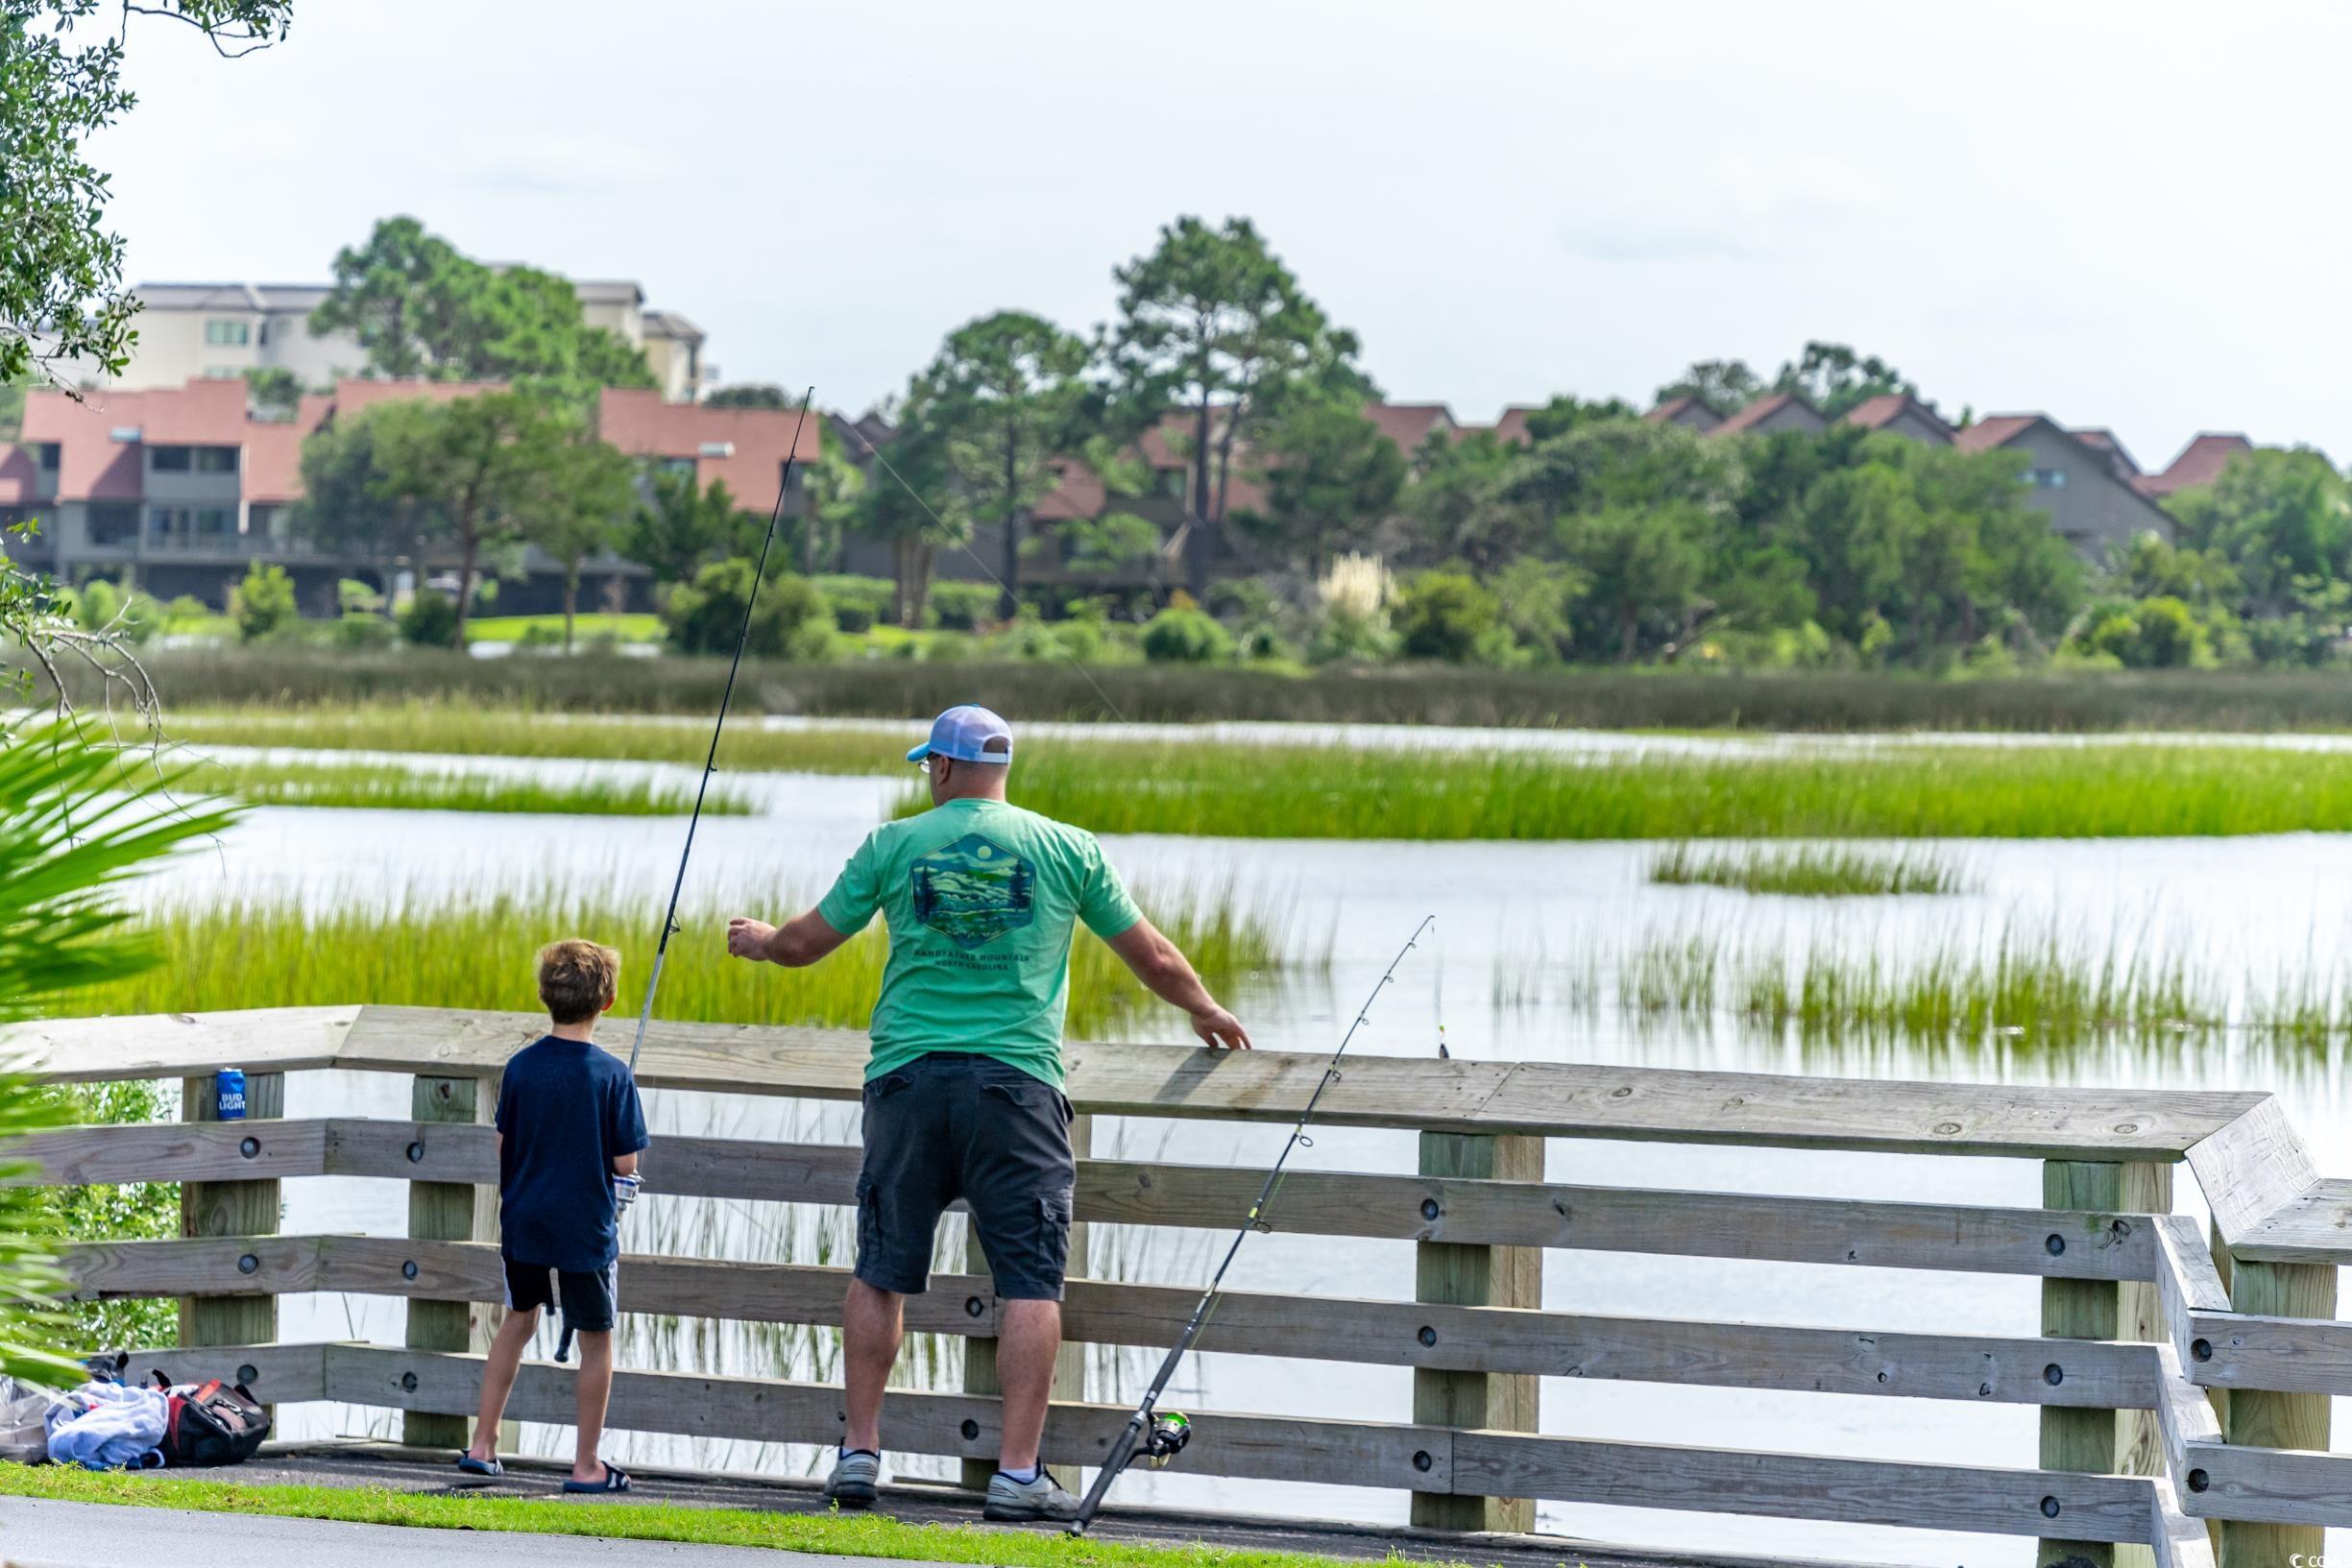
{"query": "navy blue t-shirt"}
pixel 566 1109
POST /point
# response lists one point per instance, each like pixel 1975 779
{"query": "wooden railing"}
pixel 2141 1317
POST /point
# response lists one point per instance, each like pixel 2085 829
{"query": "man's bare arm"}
pixel 1161 965
pixel 795 944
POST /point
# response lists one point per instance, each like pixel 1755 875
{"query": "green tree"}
pixel 898 513
pixel 1212 320
pixel 1004 397
pixel 2279 520
pixel 750 394
pixel 348 504
pixel 1332 477
pixel 1725 386
pixel 61 83
pixel 1641 564
pixel 273 393
pixel 679 526
pixel 789 622
pixel 1453 496
pixel 1565 413
pixel 422 309
pixel 1833 379
pixel 579 511
pixel 484 463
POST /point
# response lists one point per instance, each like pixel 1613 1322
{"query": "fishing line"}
pixel 1161 1438
pixel 710 765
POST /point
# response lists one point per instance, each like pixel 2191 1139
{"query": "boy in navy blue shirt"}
pixel 568 1123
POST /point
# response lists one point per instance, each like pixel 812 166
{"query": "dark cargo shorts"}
pixel 955 1125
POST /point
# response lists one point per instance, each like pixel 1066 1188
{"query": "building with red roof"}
pixel 2199 463
pixel 182 489
pixel 1900 414
pixel 2091 503
pixel 1771 414
pixel 1687 411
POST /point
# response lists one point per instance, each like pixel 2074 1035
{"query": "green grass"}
pixel 585 627
pixel 845 1534
pixel 389 786
pixel 477 951
pixel 2124 789
pixel 1808 871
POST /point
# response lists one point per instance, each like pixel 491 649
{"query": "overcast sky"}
pixel 2123 215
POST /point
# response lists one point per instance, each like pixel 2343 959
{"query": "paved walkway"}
pixel 37 1534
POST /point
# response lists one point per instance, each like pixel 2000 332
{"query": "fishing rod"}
pixel 710 765
pixel 1162 1438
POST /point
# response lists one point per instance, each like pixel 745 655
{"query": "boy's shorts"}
pixel 958 1125
pixel 591 1301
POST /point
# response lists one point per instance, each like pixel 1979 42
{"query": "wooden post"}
pixel 230 1207
pixel 1477 1277
pixel 980 1355
pixel 2100 1442
pixel 443 1210
pixel 2257 1418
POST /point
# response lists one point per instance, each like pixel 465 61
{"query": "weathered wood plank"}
pixel 2055 1244
pixel 443 1211
pixel 243 1207
pixel 177 1045
pixel 2184 1413
pixel 1983 1369
pixel 1556 1099
pixel 2180 1540
pixel 172 1151
pixel 1451 1274
pixel 1803 1487
pixel 2187 1287
pixel 2267 1494
pixel 2251 1168
pixel 2281 1355
pixel 276 1374
pixel 1339 1452
pixel 2088 1438
pixel 2313 1227
pixel 2254 1419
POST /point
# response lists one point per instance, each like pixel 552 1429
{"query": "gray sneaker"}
pixel 855 1475
pixel 1011 1500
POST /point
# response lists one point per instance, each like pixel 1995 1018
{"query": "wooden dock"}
pixel 2182 1378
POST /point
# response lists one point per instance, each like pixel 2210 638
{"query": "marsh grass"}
pixel 2098 790
pixel 1807 871
pixel 477 951
pixel 390 787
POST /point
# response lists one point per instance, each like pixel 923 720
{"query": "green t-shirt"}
pixel 979 897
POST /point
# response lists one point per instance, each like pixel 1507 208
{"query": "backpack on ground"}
pixel 210 1423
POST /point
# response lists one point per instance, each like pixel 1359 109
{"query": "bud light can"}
pixel 228 1086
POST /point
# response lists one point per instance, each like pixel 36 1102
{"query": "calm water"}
pixel 1518 925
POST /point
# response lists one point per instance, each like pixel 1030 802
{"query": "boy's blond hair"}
pixel 577 979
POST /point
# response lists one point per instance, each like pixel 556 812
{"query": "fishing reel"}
pixel 1166 1439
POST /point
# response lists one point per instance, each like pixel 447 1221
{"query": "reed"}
pixel 477 951
pixel 1808 871
pixel 390 787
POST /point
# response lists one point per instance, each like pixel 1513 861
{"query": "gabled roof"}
pixel 1674 409
pixel 1879 412
pixel 1998 430
pixel 98 453
pixel 2108 442
pixel 1761 409
pixel 2199 463
pixel 755 440
pixel 1511 429
pixel 19 472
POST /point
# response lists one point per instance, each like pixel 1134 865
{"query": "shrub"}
pixel 857 603
pixel 1442 615
pixel 1345 633
pixel 358 630
pixel 96 603
pixel 1178 636
pixel 962 606
pixel 354 597
pixel 263 604
pixel 707 615
pixel 430 620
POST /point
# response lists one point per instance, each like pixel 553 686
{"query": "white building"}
pixel 221 331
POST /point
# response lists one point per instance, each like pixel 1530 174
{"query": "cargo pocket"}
pixel 1053 1239
pixel 869 1219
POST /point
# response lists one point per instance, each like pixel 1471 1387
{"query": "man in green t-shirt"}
pixel 963 1090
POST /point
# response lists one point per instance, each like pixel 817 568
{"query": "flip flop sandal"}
pixel 472 1466
pixel 616 1480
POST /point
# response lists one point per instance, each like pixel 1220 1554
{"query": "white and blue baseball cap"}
pixel 967 734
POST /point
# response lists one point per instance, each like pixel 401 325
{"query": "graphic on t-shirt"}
pixel 973 891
